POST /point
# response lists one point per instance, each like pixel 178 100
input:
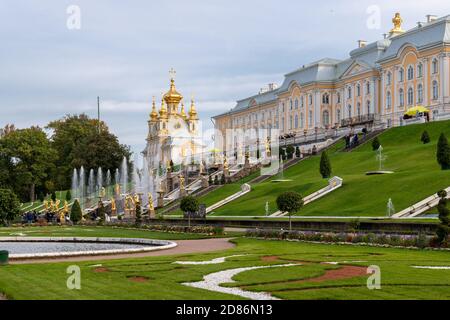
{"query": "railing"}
pixel 358 120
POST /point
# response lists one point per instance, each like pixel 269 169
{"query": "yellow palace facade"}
pixel 375 86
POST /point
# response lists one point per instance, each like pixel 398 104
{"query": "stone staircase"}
pixel 421 207
pixel 245 188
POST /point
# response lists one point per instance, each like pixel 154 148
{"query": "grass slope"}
pixel 417 176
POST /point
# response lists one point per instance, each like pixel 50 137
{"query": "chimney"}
pixel 419 24
pixel 431 18
pixel 362 43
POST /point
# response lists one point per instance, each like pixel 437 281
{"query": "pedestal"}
pixel 182 192
pixel 205 182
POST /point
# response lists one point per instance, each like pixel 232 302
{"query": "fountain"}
pixel 380 159
pixel 124 175
pixel 99 179
pixel 281 173
pixel 390 208
pixel 75 184
pixel 108 182
pixel 91 183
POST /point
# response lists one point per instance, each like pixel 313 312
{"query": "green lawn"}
pixel 164 279
pixel 417 176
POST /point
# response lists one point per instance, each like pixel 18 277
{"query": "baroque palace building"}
pixel 374 86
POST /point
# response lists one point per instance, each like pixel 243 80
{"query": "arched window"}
pixel 290 122
pixel 358 90
pixel 302 120
pixel 419 70
pixel 410 96
pixel 410 73
pixel 368 87
pixel 302 101
pixel 389 78
pixel 326 118
pixel 290 104
pixel 325 98
pixel 388 100
pixel 296 121
pixel 368 106
pixel 401 97
pixel 435 90
pixel 358 109
pixel 349 92
pixel 349 111
pixel 420 93
pixel 338 115
pixel 296 103
pixel 310 99
pixel 338 97
pixel 434 66
pixel 401 75
pixel 310 120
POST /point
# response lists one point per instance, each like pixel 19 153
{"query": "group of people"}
pixel 49 216
pixel 351 140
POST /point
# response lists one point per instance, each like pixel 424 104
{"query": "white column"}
pixel 441 77
pixel 445 76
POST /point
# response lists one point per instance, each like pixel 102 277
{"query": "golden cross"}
pixel 172 73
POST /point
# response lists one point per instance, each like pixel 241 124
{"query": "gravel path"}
pixel 212 282
pixel 184 247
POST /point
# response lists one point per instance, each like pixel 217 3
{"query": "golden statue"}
pixel 150 202
pixel 62 217
pixel 57 203
pixel 117 189
pixel 66 207
pixel 225 164
pixel 268 147
pixel 113 206
pixel 397 21
pixel 181 178
pixel 46 205
pixel 137 200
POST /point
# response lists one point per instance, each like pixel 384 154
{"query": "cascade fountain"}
pixel 91 183
pixel 108 182
pixel 99 179
pixel 124 175
pixel 381 158
pixel 75 184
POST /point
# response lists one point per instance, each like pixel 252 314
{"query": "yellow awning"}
pixel 417 109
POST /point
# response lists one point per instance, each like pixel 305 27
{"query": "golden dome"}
pixel 182 112
pixel 163 110
pixel 193 113
pixel 154 113
pixel 172 96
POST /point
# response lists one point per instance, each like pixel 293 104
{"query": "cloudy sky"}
pixel 222 51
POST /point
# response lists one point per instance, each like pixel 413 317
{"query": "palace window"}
pixel 290 122
pixel 296 121
pixel 349 92
pixel 358 90
pixel 326 118
pixel 419 70
pixel 338 115
pixel 410 73
pixel 401 97
pixel 358 109
pixel 410 96
pixel 419 93
pixel 310 120
pixel 388 100
pixel 302 120
pixel 296 103
pixel 302 101
pixel 367 87
pixel 290 104
pixel 325 98
pixel 435 90
pixel 435 66
pixel 389 78
pixel 338 97
pixel 368 106
pixel 401 75
pixel 310 99
pixel 349 111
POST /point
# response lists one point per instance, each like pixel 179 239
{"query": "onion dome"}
pixel 154 113
pixel 193 113
pixel 182 112
pixel 172 96
pixel 163 110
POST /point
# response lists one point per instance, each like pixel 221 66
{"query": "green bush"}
pixel 425 137
pixel 289 202
pixel 68 196
pixel 189 204
pixel 325 165
pixel 9 206
pixel 290 150
pixel 75 213
pixel 443 152
pixel 297 152
pixel 376 144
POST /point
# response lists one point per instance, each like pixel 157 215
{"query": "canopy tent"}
pixel 415 110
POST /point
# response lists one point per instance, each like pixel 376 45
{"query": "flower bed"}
pixel 410 241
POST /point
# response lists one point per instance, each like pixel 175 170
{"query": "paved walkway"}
pixel 184 247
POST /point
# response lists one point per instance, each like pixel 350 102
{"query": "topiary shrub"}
pixel 75 213
pixel 189 204
pixel 325 165
pixel 443 152
pixel 138 220
pixel 376 144
pixel 425 137
pixel 68 196
pixel 443 229
pixel 290 150
pixel 289 202
pixel 297 152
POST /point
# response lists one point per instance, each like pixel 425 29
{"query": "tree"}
pixel 189 205
pixel 78 142
pixel 68 196
pixel 290 202
pixel 138 213
pixel 30 159
pixel 443 229
pixel 376 144
pixel 9 206
pixel 425 137
pixel 443 152
pixel 325 165
pixel 41 196
pixel 75 213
